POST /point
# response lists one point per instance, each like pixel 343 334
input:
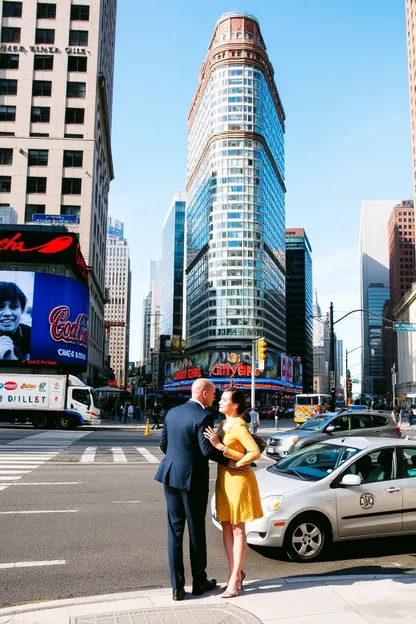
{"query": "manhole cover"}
pixel 202 614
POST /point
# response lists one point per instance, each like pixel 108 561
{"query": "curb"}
pixel 75 602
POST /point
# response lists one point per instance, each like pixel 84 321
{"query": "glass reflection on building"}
pixel 235 256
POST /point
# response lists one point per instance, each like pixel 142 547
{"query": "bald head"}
pixel 203 391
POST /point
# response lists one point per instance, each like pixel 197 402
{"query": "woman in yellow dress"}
pixel 236 492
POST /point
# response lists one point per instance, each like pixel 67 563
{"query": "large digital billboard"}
pixel 43 319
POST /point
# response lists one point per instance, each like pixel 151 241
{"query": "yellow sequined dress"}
pixel 237 493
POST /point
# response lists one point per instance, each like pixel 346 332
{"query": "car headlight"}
pixel 272 503
pixel 289 441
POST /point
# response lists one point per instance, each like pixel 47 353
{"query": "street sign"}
pixel 404 327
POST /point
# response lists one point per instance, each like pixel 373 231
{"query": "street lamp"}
pixel 332 344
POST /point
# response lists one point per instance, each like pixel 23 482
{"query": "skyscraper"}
pixel 117 310
pixel 235 245
pixel 375 288
pixel 56 71
pixel 171 268
pixel 299 301
pixel 411 55
pixel 401 231
pixel 148 312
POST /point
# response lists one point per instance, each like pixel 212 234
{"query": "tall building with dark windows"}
pixel 235 243
pixel 56 73
pixel 172 268
pixel 299 301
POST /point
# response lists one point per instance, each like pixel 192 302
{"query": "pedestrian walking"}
pixel 123 415
pixel 156 416
pixel 184 472
pixel 130 413
pixel 254 420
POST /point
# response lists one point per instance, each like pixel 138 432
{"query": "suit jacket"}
pixel 186 449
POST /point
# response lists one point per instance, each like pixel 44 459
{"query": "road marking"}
pixel 3 487
pixel 118 455
pixel 49 483
pixel 88 455
pixel 31 564
pixel 10 478
pixel 118 502
pixel 149 456
pixel 14 466
pixel 14 472
pixel 41 511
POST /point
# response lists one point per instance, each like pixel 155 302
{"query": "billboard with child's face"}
pixel 43 319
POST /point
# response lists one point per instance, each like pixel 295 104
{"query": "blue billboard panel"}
pixel 43 319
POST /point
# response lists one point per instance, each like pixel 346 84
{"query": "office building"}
pixel 405 312
pixel 148 306
pixel 235 245
pixel 401 232
pixel 375 288
pixel 411 55
pixel 56 72
pixel 172 268
pixel 117 310
pixel 299 301
pixel 318 327
pixel 8 215
pixel 340 358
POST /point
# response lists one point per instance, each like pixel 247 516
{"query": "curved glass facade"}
pixel 235 284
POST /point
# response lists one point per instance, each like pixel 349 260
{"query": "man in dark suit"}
pixel 184 472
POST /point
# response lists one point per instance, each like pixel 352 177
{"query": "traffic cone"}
pixel 147 428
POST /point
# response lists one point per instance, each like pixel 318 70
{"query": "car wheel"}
pixel 40 421
pixel 67 422
pixel 306 538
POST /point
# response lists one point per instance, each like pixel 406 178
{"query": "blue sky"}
pixel 341 71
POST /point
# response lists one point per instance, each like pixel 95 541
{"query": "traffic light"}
pixel 261 350
pixel 349 385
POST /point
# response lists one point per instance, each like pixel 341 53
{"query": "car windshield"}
pixel 315 424
pixel 358 408
pixel 315 462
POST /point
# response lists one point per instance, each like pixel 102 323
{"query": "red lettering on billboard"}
pixel 228 370
pixel 81 262
pixel 10 385
pixel 64 330
pixel 54 246
pixel 188 373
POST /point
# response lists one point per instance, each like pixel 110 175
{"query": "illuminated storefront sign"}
pixel 188 373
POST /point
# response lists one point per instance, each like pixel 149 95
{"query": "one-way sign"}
pixel 404 327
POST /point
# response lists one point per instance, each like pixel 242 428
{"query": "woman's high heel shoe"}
pixel 242 577
pixel 228 594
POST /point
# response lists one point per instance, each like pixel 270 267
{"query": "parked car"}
pixel 343 489
pixel 328 426
pixel 266 411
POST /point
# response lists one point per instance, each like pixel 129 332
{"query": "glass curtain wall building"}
pixel 378 294
pixel 172 268
pixel 235 244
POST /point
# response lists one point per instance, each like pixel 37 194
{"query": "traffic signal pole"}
pixel 253 373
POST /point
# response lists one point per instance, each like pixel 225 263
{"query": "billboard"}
pixel 286 368
pixel 42 247
pixel 43 319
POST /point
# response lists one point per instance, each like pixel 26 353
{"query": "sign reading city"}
pixel 230 370
pixel 404 327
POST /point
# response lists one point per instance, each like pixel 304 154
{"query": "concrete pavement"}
pixel 307 600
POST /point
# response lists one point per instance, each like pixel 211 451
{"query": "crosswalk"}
pixel 20 457
pixel 115 455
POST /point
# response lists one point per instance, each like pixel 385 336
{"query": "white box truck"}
pixel 47 401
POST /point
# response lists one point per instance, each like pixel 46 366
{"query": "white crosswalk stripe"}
pixel 119 456
pixel 88 455
pixel 149 456
pixel 21 457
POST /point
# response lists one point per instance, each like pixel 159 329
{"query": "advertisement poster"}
pixel 35 391
pixel 43 319
pixel 286 368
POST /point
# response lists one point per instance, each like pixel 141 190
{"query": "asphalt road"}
pixel 111 533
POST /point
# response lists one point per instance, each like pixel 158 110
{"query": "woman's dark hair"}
pixel 238 397
pixel 9 291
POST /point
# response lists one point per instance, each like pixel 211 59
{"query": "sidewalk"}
pixel 301 600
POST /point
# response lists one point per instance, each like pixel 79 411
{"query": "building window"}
pixel 10 34
pixel 76 89
pixel 42 88
pixel 73 136
pixel 36 185
pixel 6 156
pixel 73 158
pixel 43 62
pixel 8 87
pixel 80 13
pixel 46 11
pixel 38 158
pixel 12 9
pixel 9 61
pixel 74 115
pixel 5 184
pixel 41 135
pixel 40 114
pixel 77 63
pixel 32 209
pixel 71 210
pixel 71 186
pixel 7 113
pixel 78 37
pixel 45 35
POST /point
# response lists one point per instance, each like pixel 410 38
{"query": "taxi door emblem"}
pixel 367 501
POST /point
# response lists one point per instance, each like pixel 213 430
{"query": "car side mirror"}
pixel 330 429
pixel 351 480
